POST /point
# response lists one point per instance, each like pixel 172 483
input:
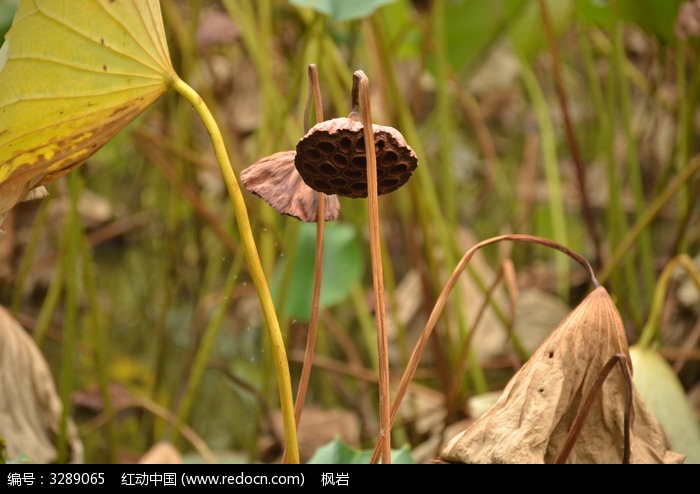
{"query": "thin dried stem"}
pixel 570 134
pixel 161 412
pixel 590 399
pixel 315 93
pixel 361 81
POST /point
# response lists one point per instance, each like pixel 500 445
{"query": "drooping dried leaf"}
pixel 532 419
pixel 276 179
pixel 73 75
pixel 30 409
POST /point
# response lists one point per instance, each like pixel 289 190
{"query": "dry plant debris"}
pixel 162 453
pixel 30 409
pixel 688 20
pixel 331 158
pixel 276 180
pixel 531 420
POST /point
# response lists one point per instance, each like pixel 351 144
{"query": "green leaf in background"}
pixel 343 10
pixel 471 27
pixel 667 401
pixel 474 28
pixel 401 24
pixel 527 29
pixel 656 16
pixel 343 266
pixel 338 453
pixel 7 13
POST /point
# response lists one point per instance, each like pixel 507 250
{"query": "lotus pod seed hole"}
pixel 313 155
pixel 326 147
pixel 390 158
pixel 327 169
pixel 345 144
pixel 340 160
pixel 359 162
pixel 353 174
pixel 360 145
pixel 388 183
pixel 399 169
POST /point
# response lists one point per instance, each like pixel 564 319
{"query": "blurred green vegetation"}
pixel 473 86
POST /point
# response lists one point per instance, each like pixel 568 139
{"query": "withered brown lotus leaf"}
pixel 276 180
pixel 532 418
pixel 331 158
pixel 30 409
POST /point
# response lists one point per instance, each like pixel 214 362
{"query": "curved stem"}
pixel 158 411
pixel 570 133
pixel 254 266
pixel 651 332
pixel 442 300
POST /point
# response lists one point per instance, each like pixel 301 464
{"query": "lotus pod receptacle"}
pixel 331 158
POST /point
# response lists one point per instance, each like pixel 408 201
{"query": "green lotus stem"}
pixel 623 246
pixel 254 265
pixel 651 332
pixel 559 226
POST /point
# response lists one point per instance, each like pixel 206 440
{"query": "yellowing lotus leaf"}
pixel 73 73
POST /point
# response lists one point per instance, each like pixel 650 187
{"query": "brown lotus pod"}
pixel 331 158
pixel 275 179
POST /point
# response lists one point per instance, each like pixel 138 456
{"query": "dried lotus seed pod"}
pixel 331 158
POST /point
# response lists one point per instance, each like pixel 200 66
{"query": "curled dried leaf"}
pixel 30 409
pixel 532 419
pixel 275 179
